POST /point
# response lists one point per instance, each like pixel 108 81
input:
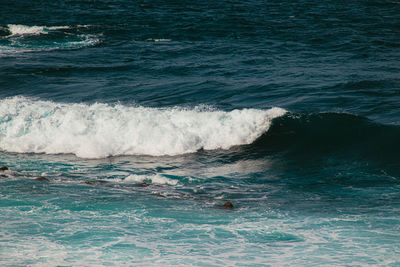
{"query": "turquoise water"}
pixel 146 117
pixel 114 222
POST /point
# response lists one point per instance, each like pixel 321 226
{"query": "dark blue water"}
pixel 145 117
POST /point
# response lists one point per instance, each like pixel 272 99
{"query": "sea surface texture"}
pixel 143 118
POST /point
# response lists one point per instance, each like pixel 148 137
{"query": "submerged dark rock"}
pixel 95 182
pixel 3 168
pixel 43 179
pixel 201 149
pixel 143 184
pixel 228 205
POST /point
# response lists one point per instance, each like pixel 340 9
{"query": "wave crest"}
pixel 101 130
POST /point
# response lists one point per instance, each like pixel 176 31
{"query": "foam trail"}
pixel 101 130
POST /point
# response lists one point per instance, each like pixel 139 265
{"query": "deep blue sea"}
pixel 143 118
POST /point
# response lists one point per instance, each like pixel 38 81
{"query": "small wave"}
pixel 17 29
pixel 101 130
pixel 17 38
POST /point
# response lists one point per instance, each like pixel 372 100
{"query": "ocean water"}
pixel 145 117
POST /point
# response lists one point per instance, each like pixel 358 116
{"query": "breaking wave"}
pixel 102 130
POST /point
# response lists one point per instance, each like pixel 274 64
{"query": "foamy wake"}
pixel 101 130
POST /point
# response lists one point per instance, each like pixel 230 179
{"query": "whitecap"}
pixel 17 29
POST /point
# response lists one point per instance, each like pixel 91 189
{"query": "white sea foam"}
pixel 153 179
pixel 101 130
pixel 158 40
pixel 85 40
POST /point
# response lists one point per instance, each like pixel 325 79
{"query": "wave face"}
pixel 101 130
pixel 331 135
